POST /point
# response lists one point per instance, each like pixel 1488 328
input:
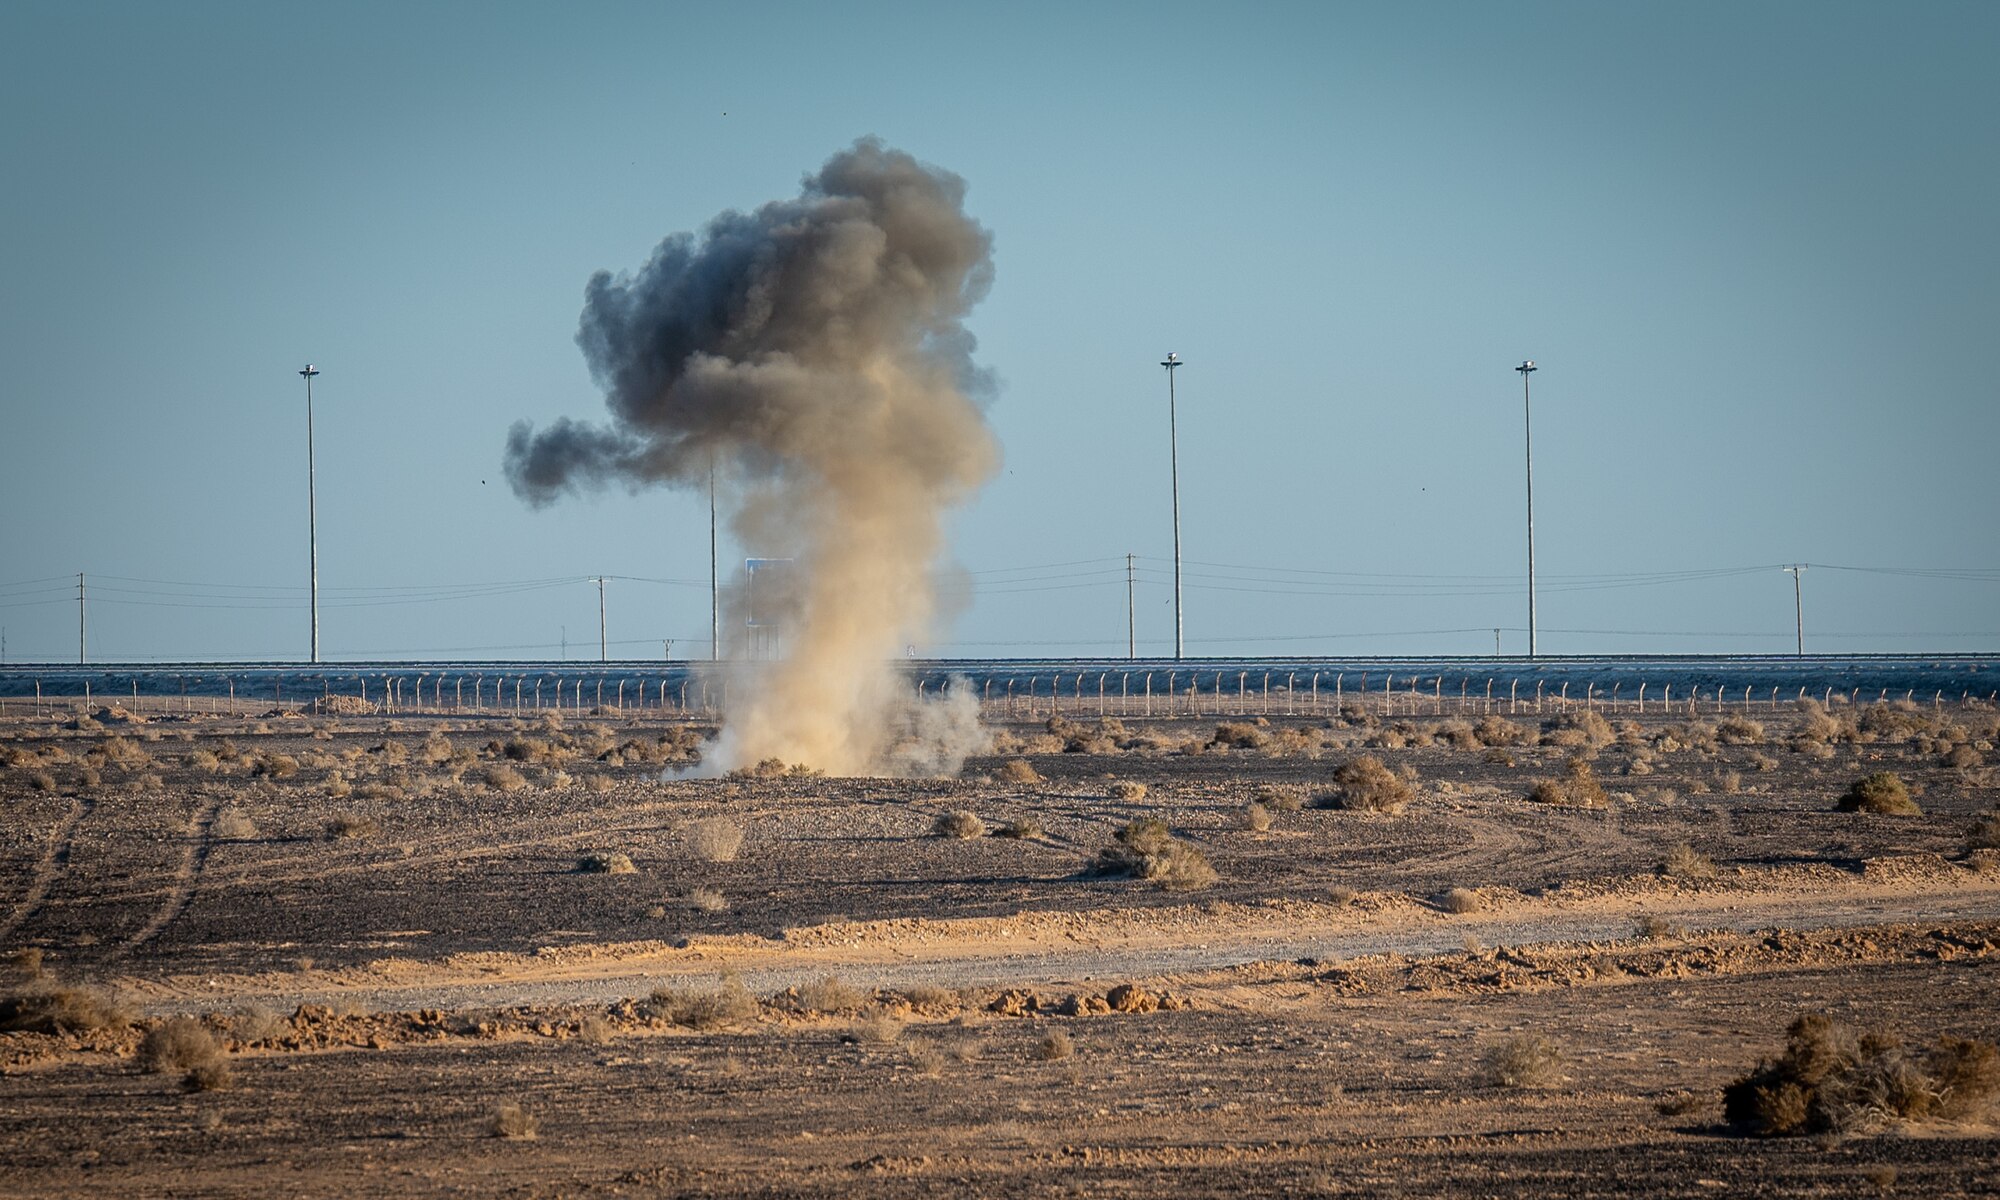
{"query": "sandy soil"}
pixel 390 938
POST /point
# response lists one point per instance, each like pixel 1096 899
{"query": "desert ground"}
pixel 1421 952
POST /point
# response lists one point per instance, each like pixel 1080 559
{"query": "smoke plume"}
pixel 812 355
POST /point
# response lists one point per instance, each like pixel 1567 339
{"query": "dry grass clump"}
pixel 1127 791
pixel 512 1122
pixel 1899 721
pixel 1021 829
pixel 1963 758
pixel 349 825
pixel 178 1044
pixel 1458 734
pixel 1056 1044
pixel 1984 833
pixel 275 766
pixel 1739 731
pixel 879 1028
pixel 1818 727
pixel 233 824
pixel 715 839
pixel 1279 799
pixel 708 900
pixel 606 862
pixel 27 961
pixel 1655 928
pixel 1147 849
pixel 1106 736
pixel 1255 817
pixel 1881 792
pixel 1460 900
pixel 503 777
pixel 1831 1078
pixel 1683 861
pixel 63 1010
pixel 830 994
pixel 1574 729
pixel 1239 736
pixel 729 1003
pixel 958 824
pixel 1578 787
pixel 1365 785
pixel 1018 770
pixel 1527 1060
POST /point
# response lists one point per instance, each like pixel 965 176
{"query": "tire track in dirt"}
pixel 186 876
pixel 54 859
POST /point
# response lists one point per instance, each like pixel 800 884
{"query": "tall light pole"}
pixel 82 622
pixel 603 647
pixel 312 508
pixel 1526 369
pixel 1131 614
pixel 1170 362
pixel 1799 604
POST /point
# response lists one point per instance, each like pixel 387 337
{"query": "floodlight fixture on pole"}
pixel 1798 604
pixel 1526 369
pixel 312 508
pixel 1170 362
pixel 714 584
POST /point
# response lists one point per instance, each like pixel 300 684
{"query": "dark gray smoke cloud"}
pixel 813 354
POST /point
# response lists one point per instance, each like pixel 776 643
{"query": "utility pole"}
pixel 603 647
pixel 82 628
pixel 1131 614
pixel 1170 362
pixel 1526 369
pixel 1799 604
pixel 1496 643
pixel 565 643
pixel 312 508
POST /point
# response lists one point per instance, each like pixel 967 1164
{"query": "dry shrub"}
pixel 337 787
pixel 63 1010
pixel 386 793
pixel 879 1028
pixel 1739 731
pixel 1831 1078
pixel 1279 799
pixel 599 784
pixel 1019 770
pixel 715 839
pixel 349 825
pixel 1899 721
pixel 42 781
pixel 1729 783
pixel 606 862
pixel 1527 1060
pixel 931 997
pixel 1365 785
pixel 1020 828
pixel 1984 833
pixel 234 824
pixel 256 1023
pixel 1881 792
pixel 926 1058
pixel 729 1003
pixel 510 1121
pixel 1128 791
pixel 1683 861
pixel 1817 726
pixel 594 1029
pixel 1255 817
pixel 708 899
pixel 1240 736
pixel 958 824
pixel 1147 849
pixel 503 777
pixel 829 994
pixel 178 1044
pixel 1654 928
pixel 436 749
pixel 1458 734
pixel 1578 787
pixel 1056 1044
pixel 1964 758
pixel 208 1077
pixel 1585 728
pixel 1763 762
pixel 27 961
pixel 275 766
pixel 1460 900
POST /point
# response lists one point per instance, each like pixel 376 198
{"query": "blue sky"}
pixel 1751 246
